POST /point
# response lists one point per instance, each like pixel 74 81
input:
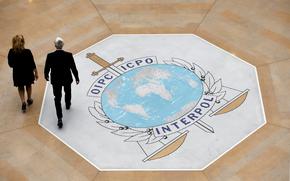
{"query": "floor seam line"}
pixel 272 124
pixel 205 174
pixel 103 19
pixel 96 176
pixel 270 63
pixel 205 16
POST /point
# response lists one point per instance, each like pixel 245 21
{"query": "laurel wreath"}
pixel 210 86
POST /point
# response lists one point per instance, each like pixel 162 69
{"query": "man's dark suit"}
pixel 60 63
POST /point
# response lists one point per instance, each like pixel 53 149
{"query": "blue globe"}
pixel 151 95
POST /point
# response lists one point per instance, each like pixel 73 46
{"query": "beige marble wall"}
pixel 258 31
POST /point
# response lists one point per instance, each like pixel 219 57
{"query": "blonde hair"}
pixel 18 43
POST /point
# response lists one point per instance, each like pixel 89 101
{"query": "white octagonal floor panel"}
pixel 157 102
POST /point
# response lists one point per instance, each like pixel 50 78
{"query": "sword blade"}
pixel 205 127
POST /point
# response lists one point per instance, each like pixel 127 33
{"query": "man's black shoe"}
pixel 67 106
pixel 59 124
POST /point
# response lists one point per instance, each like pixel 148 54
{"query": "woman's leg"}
pixel 29 91
pixel 22 97
pixel 21 93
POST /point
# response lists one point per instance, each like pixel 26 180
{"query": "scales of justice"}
pixel 154 146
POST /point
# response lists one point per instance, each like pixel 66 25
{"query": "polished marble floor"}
pixel 257 31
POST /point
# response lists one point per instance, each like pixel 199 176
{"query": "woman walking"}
pixel 24 69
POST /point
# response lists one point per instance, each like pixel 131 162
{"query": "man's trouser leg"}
pixel 67 91
pixel 57 99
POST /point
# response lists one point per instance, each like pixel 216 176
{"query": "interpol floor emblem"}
pixel 158 102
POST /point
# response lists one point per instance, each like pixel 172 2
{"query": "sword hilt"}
pixel 103 63
pixel 94 57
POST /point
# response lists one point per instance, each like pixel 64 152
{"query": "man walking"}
pixel 60 64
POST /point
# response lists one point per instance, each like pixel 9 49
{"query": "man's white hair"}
pixel 58 43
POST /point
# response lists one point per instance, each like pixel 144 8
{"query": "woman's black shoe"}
pixel 29 101
pixel 23 108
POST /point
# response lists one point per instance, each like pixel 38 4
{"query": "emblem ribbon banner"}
pixel 106 78
pixel 204 105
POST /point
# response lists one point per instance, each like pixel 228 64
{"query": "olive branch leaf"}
pixel 198 71
pixel 210 86
pixel 140 137
pixel 220 95
pixel 116 128
pixel 133 135
pixel 125 132
pixel 154 139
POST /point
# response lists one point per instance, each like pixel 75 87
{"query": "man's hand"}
pixel 77 81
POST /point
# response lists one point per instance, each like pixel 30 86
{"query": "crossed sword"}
pixel 117 72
